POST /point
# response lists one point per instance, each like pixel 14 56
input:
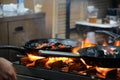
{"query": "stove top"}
pixel 37 73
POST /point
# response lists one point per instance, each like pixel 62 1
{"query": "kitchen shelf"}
pixel 96 24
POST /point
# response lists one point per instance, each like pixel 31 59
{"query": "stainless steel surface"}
pixel 58 54
pixel 23 77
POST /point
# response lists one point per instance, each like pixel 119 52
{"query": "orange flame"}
pixel 85 63
pixel 34 57
pixel 75 49
pixel 105 43
pixel 117 43
pixel 85 43
pixel 54 59
pixel 104 71
pixel 31 64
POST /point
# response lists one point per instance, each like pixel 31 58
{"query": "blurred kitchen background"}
pixel 55 11
pixel 23 20
pixel 29 25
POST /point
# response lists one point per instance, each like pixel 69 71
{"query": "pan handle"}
pixel 58 54
pixel 114 35
pixel 19 49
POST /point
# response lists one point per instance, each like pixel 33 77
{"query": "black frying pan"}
pixel 67 43
pixel 104 56
pixel 95 56
pixel 32 45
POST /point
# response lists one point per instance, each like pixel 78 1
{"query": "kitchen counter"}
pixel 22 17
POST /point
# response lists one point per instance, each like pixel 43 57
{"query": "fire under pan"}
pixel 37 73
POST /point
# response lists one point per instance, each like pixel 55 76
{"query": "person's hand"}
pixel 7 71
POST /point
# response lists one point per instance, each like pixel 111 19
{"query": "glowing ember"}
pixel 31 64
pixel 118 72
pixel 85 63
pixel 104 71
pixel 41 45
pixel 54 59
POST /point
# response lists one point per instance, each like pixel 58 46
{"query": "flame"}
pixel 84 43
pixel 75 49
pixel 85 63
pixel 34 57
pixel 54 59
pixel 30 64
pixel 105 43
pixel 87 43
pixel 117 43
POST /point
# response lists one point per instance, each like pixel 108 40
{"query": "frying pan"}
pixel 95 56
pixel 99 56
pixel 67 43
pixel 31 46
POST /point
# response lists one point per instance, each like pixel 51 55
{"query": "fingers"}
pixel 12 74
pixel 7 71
pixel 4 77
pixel 8 76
